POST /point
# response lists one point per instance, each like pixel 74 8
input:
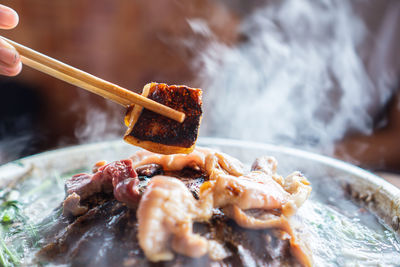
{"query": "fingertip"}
pixel 18 69
pixel 15 18
pixel 8 17
pixel 9 56
pixel 11 70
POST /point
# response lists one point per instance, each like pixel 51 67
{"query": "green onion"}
pixel 13 257
pixel 3 260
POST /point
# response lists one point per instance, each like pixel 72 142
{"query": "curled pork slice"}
pixel 298 248
pixel 166 212
pixel 251 191
pixel 175 162
pixel 265 164
pixel 266 221
pixel 264 190
pixel 201 158
pixel 299 188
pixel 229 164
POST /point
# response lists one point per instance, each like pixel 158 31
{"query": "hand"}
pixel 10 62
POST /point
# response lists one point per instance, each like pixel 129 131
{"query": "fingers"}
pixel 11 71
pixel 10 61
pixel 8 18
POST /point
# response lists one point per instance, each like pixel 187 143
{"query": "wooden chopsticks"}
pixel 89 82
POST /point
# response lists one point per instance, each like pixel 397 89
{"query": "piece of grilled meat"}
pixel 160 134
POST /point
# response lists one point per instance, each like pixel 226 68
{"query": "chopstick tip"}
pixel 182 117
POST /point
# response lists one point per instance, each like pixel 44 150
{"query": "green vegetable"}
pixel 9 211
pixel 3 260
pixel 11 255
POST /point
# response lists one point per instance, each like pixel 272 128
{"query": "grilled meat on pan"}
pixel 177 210
pixel 160 134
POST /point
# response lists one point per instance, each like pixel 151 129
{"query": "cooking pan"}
pixel 346 189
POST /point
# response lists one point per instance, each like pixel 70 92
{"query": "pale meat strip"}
pixel 167 210
pixel 202 158
pixel 252 191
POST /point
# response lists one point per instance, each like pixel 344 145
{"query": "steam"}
pixel 100 123
pixel 13 147
pixel 298 79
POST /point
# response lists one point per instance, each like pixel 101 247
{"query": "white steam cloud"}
pixel 297 80
pixel 12 147
pixel 100 123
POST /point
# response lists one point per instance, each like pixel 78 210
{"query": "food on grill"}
pixel 160 134
pixel 200 208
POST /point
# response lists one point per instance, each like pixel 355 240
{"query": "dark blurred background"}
pixel 131 43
